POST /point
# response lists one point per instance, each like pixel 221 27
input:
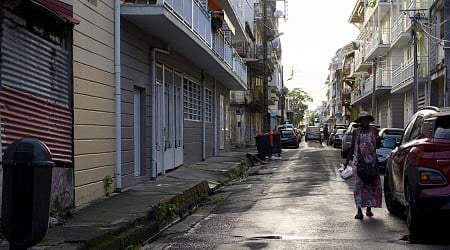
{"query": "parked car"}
pixel 418 170
pixel 333 132
pixel 391 133
pixel 313 133
pixel 347 138
pixel 285 126
pixel 337 137
pixel 387 133
pixel 289 138
pixel 384 151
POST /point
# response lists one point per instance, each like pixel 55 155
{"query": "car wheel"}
pixel 412 217
pixel 392 205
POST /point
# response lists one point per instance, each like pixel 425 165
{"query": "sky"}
pixel 312 33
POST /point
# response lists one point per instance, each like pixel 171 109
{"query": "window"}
pixel 442 128
pixel 192 100
pixel 208 105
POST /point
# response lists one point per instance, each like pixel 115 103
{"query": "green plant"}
pixel 108 184
pixel 102 224
pixel 132 247
pixel 233 175
pixel 219 201
pixel 162 210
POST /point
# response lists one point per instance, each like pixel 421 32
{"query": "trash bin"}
pixel 262 144
pixel 275 146
pixel 27 176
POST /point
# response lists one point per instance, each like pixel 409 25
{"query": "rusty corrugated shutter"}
pixel 33 64
pixel 25 115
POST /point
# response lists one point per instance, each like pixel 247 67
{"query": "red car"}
pixel 417 172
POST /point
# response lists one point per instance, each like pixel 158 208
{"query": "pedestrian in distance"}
pixel 365 141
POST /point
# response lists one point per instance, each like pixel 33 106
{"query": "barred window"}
pixel 192 100
pixel 208 105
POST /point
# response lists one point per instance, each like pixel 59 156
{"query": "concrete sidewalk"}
pixel 128 218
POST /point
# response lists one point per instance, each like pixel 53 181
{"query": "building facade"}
pixel 152 88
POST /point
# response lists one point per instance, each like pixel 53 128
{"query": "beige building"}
pixel 94 98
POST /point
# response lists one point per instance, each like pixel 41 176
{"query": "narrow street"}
pixel 299 202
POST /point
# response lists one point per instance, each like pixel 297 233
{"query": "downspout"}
pixel 216 141
pixel 153 83
pixel 203 118
pixel 117 75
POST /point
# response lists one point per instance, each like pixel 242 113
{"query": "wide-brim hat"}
pixel 364 114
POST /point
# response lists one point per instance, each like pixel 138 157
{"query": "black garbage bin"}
pixel 262 144
pixel 27 176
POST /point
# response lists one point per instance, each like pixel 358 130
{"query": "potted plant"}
pixel 108 184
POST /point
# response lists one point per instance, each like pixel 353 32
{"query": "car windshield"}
pixel 442 130
pixel 340 131
pixel 287 133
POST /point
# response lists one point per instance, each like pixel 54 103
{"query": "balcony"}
pixel 360 64
pixel 357 15
pixel 191 36
pixel 376 10
pixel 383 84
pixel 401 32
pixel 239 14
pixel 378 45
pixel 402 76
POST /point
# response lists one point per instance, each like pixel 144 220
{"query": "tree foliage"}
pixel 299 103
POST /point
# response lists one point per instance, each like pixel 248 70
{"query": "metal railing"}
pixel 194 15
pixel 378 37
pixel 405 72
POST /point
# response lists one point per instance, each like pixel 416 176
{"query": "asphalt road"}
pixel 299 202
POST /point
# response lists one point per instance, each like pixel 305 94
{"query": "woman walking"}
pixel 365 141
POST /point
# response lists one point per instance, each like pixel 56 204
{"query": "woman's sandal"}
pixel 359 216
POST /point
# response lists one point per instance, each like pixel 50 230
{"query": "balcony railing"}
pixel 373 6
pixel 196 18
pixel 378 38
pixel 405 72
pixel 194 15
pixel 400 26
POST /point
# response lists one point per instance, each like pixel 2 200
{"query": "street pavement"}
pixel 124 219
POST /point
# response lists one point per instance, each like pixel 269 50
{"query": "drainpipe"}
pixel 203 118
pixel 117 75
pixel 215 121
pixel 153 83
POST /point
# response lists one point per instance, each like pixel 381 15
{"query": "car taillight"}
pixel 431 178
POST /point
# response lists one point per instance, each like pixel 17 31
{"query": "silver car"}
pixel 313 133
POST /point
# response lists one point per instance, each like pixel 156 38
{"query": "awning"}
pixel 59 8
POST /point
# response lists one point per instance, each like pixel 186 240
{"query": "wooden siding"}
pixel 136 72
pixel 94 98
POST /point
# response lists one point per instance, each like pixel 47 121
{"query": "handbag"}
pixel 347 173
pixel 365 171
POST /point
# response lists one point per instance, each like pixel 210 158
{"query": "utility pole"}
pixel 374 85
pixel 415 65
pixel 266 116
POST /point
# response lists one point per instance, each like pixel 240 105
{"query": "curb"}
pixel 147 228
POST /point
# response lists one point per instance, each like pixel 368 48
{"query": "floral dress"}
pixel 366 194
